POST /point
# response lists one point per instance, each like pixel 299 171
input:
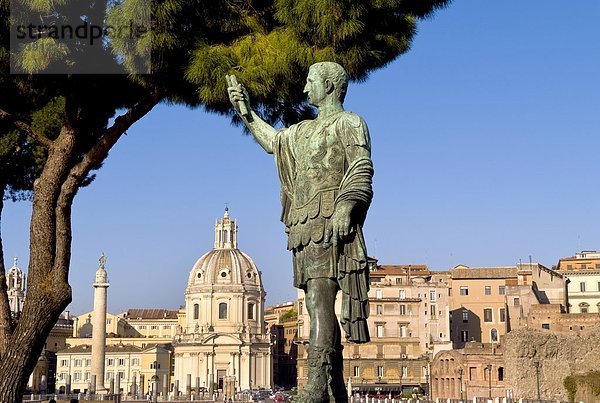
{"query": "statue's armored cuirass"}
pixel 320 160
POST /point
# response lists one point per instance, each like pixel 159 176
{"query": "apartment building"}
pixel 583 273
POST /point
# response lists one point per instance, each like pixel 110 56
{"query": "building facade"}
pixel 134 366
pixel 583 272
pixel 282 322
pixel 476 370
pixel 478 303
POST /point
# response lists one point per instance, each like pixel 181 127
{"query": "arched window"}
pixel 196 311
pixel 223 310
pixel 584 307
pixel 494 335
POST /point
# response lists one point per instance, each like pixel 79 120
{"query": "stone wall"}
pixel 558 355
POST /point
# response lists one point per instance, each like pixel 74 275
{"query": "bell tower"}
pixel 225 232
pixel 15 282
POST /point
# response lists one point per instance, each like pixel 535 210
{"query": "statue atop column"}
pixel 326 172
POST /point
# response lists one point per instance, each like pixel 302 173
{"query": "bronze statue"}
pixel 326 172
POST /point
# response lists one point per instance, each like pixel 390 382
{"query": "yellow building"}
pixel 133 365
pixel 478 303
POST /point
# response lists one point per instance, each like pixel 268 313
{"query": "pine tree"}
pixel 57 129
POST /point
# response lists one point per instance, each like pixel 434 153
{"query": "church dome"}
pixel 225 264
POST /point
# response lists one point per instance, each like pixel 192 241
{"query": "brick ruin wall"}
pixel 559 356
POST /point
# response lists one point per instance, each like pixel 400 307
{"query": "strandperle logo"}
pixel 88 33
pixel 80 37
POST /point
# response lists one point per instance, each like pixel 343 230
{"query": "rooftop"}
pixel 151 314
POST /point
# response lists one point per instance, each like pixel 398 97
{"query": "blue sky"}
pixel 485 145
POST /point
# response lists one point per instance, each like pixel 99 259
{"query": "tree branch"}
pixel 24 127
pixel 96 154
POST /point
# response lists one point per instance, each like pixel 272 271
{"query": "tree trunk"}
pixel 6 323
pixel 47 296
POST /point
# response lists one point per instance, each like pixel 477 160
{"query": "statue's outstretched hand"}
pixel 238 96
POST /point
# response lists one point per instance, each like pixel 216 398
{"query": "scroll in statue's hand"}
pixel 238 96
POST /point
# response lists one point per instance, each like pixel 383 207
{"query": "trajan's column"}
pixel 99 326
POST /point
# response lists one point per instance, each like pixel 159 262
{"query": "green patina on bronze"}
pixel 326 171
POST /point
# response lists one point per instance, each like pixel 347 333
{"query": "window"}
pixel 121 361
pixel 121 375
pixel 154 327
pixel 432 311
pixel 196 311
pixel 432 295
pixel 402 309
pixel 379 330
pixel 546 326
pixel 472 373
pixel 501 290
pixel 402 294
pixel 516 301
pixel 166 326
pixel 88 362
pixel 110 361
pixel 108 321
pixel 494 335
pixel 77 376
pixel 582 286
pixel 584 307
pixel 142 327
pixel 404 372
pixel 378 294
pixel 380 370
pixel 569 266
pixel 465 315
pixel 403 330
pixel 502 314
pixel 379 309
pixel 78 363
pixel 64 363
pixel 135 361
pixel 488 290
pixel 86 376
pixel 250 311
pixel 500 373
pixel 598 285
pixel 464 335
pixel 487 315
pixel 398 280
pixel 583 266
pixel 300 306
pixel 223 310
pixel 356 371
pixel 464 290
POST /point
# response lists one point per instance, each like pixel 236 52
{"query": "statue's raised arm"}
pixel 263 132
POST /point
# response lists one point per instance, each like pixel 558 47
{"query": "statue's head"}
pixel 326 79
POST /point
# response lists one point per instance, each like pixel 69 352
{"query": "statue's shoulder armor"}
pixel 352 129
